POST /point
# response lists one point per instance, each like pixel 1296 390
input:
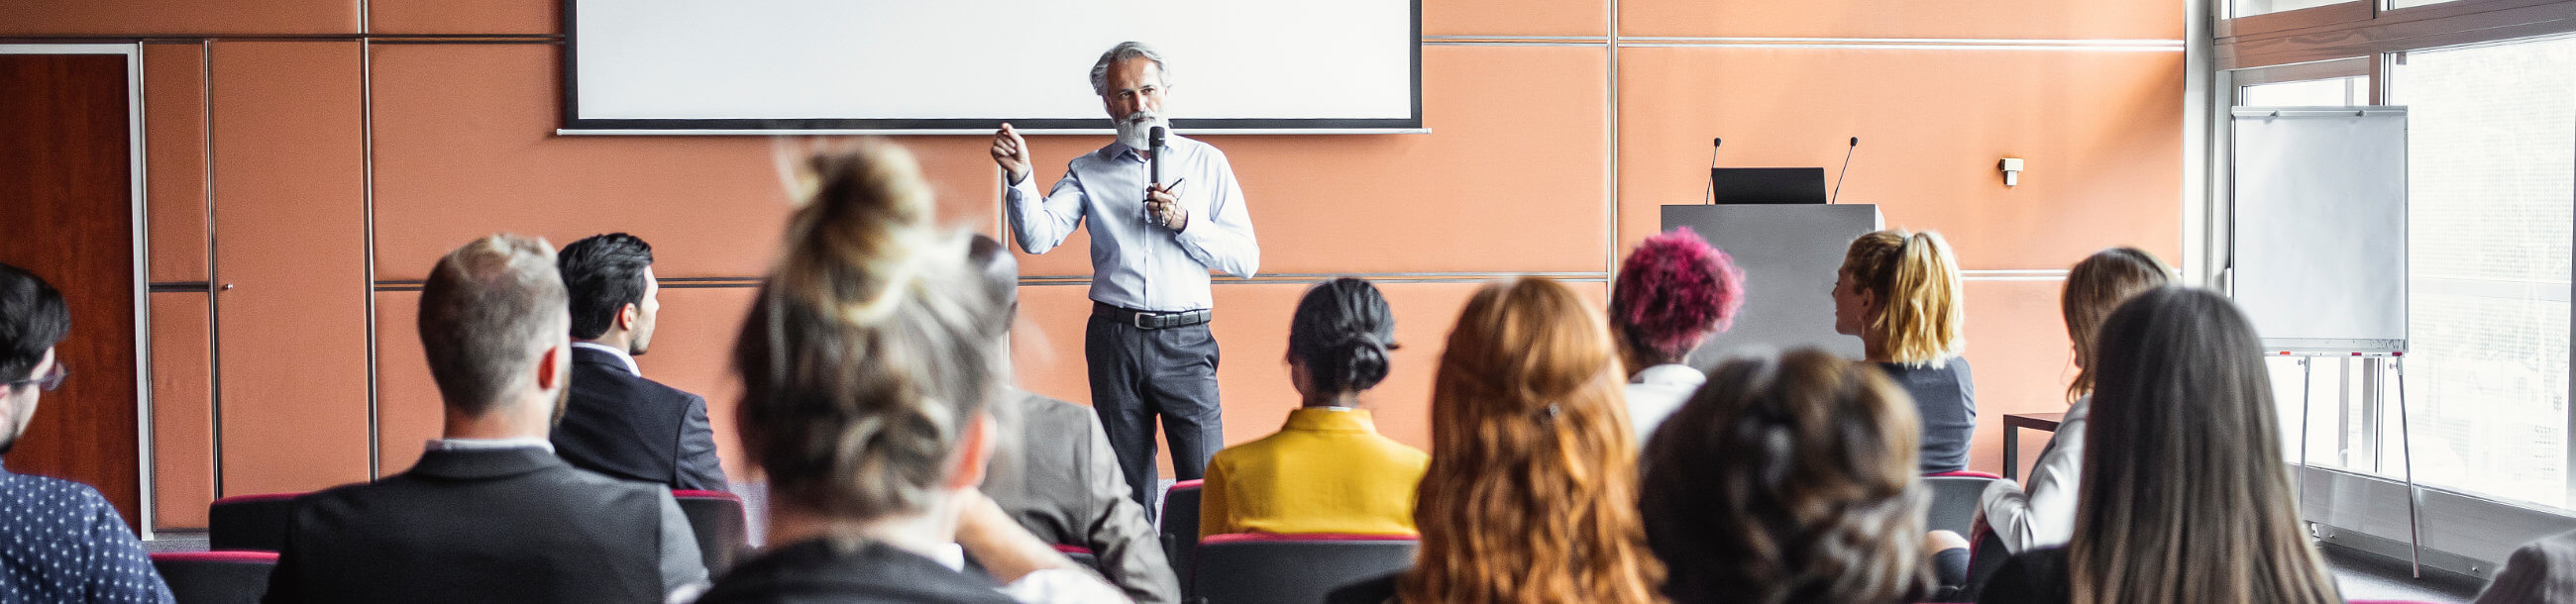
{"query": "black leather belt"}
pixel 1146 319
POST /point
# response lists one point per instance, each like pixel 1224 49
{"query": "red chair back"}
pixel 1179 523
pixel 1260 568
pixel 216 577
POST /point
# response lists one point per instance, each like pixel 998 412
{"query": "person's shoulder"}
pixel 664 392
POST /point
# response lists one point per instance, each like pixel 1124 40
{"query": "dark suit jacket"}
pixel 620 424
pixel 1056 475
pixel 502 525
pixel 848 572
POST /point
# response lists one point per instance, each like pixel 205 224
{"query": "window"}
pixel 2248 8
pixel 2330 92
pixel 2491 198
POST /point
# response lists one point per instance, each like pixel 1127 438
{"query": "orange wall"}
pixel 329 170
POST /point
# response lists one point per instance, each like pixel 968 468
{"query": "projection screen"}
pixel 901 66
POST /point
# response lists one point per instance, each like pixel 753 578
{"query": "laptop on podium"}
pixel 1767 185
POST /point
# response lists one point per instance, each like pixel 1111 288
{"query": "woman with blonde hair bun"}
pixel 1531 495
pixel 1900 293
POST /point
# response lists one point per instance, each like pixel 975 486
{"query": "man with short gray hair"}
pixel 1158 225
pixel 489 513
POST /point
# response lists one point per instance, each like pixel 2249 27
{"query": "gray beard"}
pixel 1136 134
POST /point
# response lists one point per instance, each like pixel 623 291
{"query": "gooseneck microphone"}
pixel 1838 178
pixel 1713 144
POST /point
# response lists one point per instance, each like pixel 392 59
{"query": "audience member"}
pixel 1673 293
pixel 619 423
pixel 1531 493
pixel 489 513
pixel 1900 293
pixel 61 541
pixel 2540 571
pixel 1328 470
pixel 2045 514
pixel 867 362
pixel 1053 470
pixel 1791 480
pixel 2185 497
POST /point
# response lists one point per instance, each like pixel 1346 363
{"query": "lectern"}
pixel 1789 253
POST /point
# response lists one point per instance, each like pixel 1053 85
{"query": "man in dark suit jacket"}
pixel 619 423
pixel 490 514
pixel 1055 474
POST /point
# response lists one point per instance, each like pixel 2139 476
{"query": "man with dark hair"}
pixel 618 423
pixel 1054 471
pixel 60 541
pixel 490 514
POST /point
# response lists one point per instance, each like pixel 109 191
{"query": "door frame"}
pixel 134 151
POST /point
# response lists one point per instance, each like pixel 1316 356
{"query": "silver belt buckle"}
pixel 1140 319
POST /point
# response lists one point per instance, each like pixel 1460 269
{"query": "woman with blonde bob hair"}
pixel 1531 495
pixel 1899 292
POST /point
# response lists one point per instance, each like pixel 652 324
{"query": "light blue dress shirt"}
pixel 1134 263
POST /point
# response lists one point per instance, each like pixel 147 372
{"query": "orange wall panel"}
pixel 1517 137
pixel 2007 19
pixel 174 137
pixel 290 190
pixel 1252 373
pixel 465 147
pixel 408 410
pixel 1515 18
pixel 403 17
pixel 2102 133
pixel 2017 348
pixel 177 17
pixel 183 432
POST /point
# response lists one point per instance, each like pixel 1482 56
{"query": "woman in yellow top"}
pixel 1328 470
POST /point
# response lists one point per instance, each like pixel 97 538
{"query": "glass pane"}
pixel 2248 8
pixel 2396 4
pixel 2332 92
pixel 2491 185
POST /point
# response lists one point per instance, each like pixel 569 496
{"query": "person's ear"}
pixel 627 315
pixel 974 451
pixel 554 368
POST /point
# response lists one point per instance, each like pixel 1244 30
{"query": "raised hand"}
pixel 1011 153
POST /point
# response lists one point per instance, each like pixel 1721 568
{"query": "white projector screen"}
pixel 2320 227
pixel 951 65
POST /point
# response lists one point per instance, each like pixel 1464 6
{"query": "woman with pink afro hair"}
pixel 1673 293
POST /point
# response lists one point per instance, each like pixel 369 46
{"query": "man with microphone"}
pixel 1164 210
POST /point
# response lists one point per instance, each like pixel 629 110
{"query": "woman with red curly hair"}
pixel 1673 293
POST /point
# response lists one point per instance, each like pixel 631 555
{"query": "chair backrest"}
pixel 250 522
pixel 1955 496
pixel 1179 522
pixel 1081 555
pixel 216 577
pixel 716 518
pixel 1257 568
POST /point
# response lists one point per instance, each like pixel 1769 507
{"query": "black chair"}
pixel 216 577
pixel 716 518
pixel 1260 568
pixel 1955 496
pixel 1081 555
pixel 1179 522
pixel 250 522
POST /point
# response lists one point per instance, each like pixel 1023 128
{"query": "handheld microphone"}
pixel 1154 139
pixel 1838 178
pixel 1713 144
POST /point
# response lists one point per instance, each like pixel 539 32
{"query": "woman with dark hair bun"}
pixel 1328 470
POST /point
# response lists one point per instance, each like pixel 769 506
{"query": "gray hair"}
pixel 1122 52
pixel 488 309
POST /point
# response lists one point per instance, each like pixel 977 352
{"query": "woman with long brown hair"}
pixel 2044 515
pixel 1900 293
pixel 2185 496
pixel 1532 491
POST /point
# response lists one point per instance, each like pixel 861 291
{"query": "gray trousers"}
pixel 1140 375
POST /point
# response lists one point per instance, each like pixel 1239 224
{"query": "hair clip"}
pixel 1549 414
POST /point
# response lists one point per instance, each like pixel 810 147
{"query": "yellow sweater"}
pixel 1327 471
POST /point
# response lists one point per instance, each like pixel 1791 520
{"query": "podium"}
pixel 1790 254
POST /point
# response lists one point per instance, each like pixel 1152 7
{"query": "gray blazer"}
pixel 1053 471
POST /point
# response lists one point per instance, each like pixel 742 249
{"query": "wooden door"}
pixel 67 215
